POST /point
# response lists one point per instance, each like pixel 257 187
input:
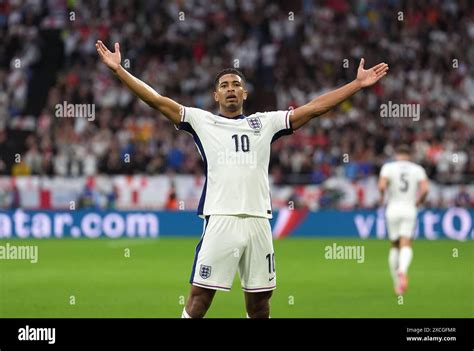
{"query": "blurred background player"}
pixel 401 180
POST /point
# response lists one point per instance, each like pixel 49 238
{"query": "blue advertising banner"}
pixel 453 223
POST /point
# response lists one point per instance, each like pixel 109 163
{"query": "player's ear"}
pixel 216 98
pixel 245 94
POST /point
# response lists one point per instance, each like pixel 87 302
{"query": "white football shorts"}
pixel 231 243
pixel 401 221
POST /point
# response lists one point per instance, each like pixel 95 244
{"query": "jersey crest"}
pixel 254 123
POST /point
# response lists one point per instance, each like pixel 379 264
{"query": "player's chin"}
pixel 232 106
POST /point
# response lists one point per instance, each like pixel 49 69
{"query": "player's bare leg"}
pixel 258 304
pixel 199 301
pixel 404 260
pixel 393 263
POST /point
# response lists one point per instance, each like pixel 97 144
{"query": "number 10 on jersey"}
pixel 244 144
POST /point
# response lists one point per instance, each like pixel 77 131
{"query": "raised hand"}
pixel 368 77
pixel 111 59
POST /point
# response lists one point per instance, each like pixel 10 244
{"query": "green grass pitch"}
pixel 153 282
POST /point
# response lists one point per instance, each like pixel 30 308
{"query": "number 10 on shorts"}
pixel 271 263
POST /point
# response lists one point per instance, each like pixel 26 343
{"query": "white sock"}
pixel 393 264
pixel 185 314
pixel 406 254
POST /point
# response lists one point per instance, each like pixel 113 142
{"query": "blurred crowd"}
pixel 289 51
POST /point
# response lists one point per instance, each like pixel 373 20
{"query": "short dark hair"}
pixel 228 71
pixel 403 149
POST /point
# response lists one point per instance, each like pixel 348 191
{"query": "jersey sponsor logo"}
pixel 205 271
pixel 254 123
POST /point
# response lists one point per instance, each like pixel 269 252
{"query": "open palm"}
pixel 111 59
pixel 372 75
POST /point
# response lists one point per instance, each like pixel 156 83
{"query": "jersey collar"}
pixel 236 117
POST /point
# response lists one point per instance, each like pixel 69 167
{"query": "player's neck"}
pixel 231 114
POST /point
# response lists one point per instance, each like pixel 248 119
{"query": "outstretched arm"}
pixel 166 106
pixel 322 104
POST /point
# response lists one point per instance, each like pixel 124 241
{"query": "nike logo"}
pixel 270 279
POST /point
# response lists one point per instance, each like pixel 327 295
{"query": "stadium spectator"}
pixel 288 55
pixel 463 198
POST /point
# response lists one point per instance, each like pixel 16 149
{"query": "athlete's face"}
pixel 230 92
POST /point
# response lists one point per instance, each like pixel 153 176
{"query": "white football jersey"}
pixel 403 178
pixel 236 155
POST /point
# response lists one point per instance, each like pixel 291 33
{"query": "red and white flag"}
pixel 287 221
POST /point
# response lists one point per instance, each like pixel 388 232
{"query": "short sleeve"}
pixel 280 123
pixel 385 171
pixel 190 117
pixel 421 174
